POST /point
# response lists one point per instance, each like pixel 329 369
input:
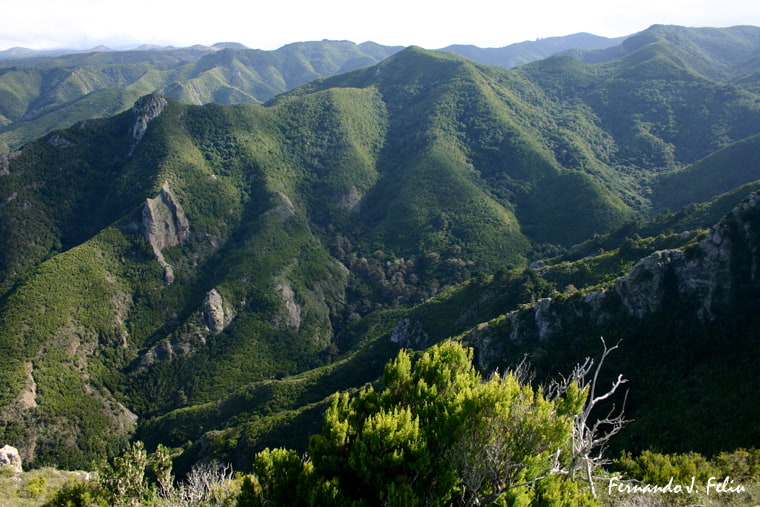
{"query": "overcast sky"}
pixel 269 24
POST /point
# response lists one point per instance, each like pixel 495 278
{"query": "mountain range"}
pixel 42 91
pixel 206 275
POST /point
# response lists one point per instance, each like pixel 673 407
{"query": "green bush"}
pixel 437 433
pixel 36 487
pixel 7 471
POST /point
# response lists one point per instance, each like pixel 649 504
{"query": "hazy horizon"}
pixel 85 24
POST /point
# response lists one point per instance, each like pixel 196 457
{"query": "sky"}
pixel 270 24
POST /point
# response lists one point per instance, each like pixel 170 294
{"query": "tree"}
pixel 162 467
pixel 512 438
pixel 435 432
pixel 279 478
pixel 124 478
pixel 124 482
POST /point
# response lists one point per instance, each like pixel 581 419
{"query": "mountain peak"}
pixel 229 45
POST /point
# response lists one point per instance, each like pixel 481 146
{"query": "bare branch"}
pixel 589 439
pixel 485 455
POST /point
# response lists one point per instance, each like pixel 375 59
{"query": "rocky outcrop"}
pixel 27 398
pixel 293 310
pixel 709 274
pixel 216 315
pixel 188 342
pixel 145 110
pixel 9 456
pixel 409 333
pixel 711 277
pixel 5 161
pixel 351 200
pixel 212 318
pixel 59 141
pixel 164 224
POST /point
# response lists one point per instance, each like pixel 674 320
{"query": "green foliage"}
pixel 419 188
pixel 655 468
pixel 79 494
pixel 44 94
pixel 436 433
pixel 280 478
pixel 36 487
pixel 124 479
pixel 162 468
pixel 720 172
pixel 741 467
pixel 70 301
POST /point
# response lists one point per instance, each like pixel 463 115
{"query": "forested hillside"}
pixel 40 92
pixel 207 276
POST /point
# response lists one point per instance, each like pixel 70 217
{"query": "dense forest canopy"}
pixel 205 277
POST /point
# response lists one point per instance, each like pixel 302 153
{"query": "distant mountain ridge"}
pixel 717 53
pixel 206 276
pixel 42 94
pixel 543 47
pixel 45 90
pixel 23 53
pixel 525 52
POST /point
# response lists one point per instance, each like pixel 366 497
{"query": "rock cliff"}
pixel 9 457
pixel 5 160
pixel 164 225
pixel 293 309
pixel 216 314
pixel 145 110
pixel 709 277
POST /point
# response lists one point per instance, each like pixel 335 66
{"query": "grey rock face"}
pixel 409 333
pixel 215 315
pixel 9 456
pixel 145 110
pixel 293 315
pixel 5 160
pixel 164 224
pixel 710 277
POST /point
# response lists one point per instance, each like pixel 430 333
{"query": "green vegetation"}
pixel 422 438
pixel 436 433
pixel 394 206
pixel 433 432
pixel 38 95
pixel 33 488
pixel 726 479
pixel 284 474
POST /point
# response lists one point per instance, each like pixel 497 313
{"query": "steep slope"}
pixel 687 318
pixel 38 95
pixel 719 172
pixel 43 91
pixel 721 54
pixel 682 306
pixel 176 284
pixel 497 125
pixel 219 267
pixel 652 112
